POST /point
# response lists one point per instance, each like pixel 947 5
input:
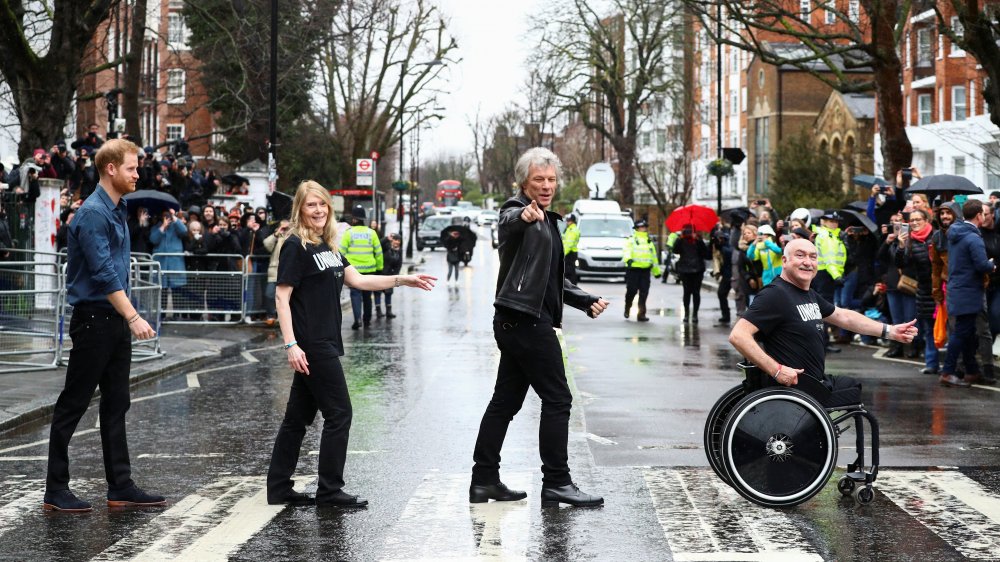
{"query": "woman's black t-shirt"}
pixel 316 274
pixel 790 326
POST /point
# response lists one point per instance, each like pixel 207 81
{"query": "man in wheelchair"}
pixel 787 318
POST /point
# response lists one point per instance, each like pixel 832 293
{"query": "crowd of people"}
pixel 906 255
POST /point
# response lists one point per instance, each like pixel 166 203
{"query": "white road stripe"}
pixel 434 524
pixel 705 519
pixel 34 458
pixel 249 357
pixel 181 456
pixel 192 380
pixel 206 525
pixel 955 507
pixel 42 442
pixel 601 440
pixel 25 496
pixel 160 395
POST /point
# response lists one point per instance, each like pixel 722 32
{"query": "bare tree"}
pixel 833 53
pixel 43 50
pixel 480 141
pixel 373 69
pixel 978 33
pixel 605 63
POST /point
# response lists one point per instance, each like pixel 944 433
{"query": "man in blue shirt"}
pixel 102 327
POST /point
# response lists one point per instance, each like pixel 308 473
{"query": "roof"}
pixel 797 51
pixel 861 106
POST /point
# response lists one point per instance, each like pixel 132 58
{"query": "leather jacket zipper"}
pixel 523 273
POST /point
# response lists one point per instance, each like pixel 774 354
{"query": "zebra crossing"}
pixel 701 519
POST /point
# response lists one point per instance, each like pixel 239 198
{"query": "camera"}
pixel 907 174
pixel 761 202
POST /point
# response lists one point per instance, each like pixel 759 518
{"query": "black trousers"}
pixel 324 389
pixel 101 357
pixel 530 356
pixel 571 268
pixel 691 283
pixel 637 281
pixel 725 284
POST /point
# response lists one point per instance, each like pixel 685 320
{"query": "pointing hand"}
pixel 532 213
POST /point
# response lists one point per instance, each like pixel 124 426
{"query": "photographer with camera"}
pixel 84 178
pixel 60 160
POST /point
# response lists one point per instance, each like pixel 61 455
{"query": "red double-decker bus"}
pixel 449 193
pixel 345 199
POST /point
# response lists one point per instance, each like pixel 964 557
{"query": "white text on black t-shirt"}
pixel 327 259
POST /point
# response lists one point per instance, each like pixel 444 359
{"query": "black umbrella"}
pixel 944 182
pixel 858 206
pixel 859 217
pixel 736 214
pixel 868 180
pixel 153 201
pixel 465 233
pixel 281 205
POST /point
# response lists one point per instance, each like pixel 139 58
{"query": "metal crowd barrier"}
pixel 210 289
pixel 144 277
pixel 31 289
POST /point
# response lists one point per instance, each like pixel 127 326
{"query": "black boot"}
pixel 642 314
pixel 378 311
pixel 628 307
pixel 388 312
pixel 895 349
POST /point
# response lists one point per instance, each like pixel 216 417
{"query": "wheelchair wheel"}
pixel 713 428
pixel 845 486
pixel 778 447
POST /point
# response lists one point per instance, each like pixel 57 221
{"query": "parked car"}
pixel 602 243
pixel 487 217
pixel 429 233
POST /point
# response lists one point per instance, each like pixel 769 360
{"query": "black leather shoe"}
pixel 832 349
pixel 64 500
pixel 292 498
pixel 356 325
pixel 342 500
pixel 134 497
pixel 930 370
pixel 893 353
pixel 569 494
pixel 642 318
pixel 497 492
pixel 952 380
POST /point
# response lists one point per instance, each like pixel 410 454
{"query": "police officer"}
pixel 570 240
pixel 362 248
pixel 639 256
pixel 832 254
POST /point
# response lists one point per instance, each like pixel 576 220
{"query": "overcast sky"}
pixel 490 43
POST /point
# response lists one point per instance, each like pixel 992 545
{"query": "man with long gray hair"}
pixel 531 289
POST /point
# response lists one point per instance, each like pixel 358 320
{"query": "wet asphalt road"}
pixel 419 385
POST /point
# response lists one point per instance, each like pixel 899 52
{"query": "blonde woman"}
pixel 311 274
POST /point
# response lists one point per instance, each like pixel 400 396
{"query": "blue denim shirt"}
pixel 98 251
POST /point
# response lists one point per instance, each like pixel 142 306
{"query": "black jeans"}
pixel 323 389
pixel 101 357
pixel 692 293
pixel 637 281
pixel 570 260
pixel 725 284
pixel 530 356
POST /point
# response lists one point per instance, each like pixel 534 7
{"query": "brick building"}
pixel 845 128
pixel 172 99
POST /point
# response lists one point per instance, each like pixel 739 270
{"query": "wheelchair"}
pixel 777 446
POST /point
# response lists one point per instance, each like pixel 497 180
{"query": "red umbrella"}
pixel 702 218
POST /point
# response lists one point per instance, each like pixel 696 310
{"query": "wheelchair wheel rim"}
pixel 714 425
pixel 779 447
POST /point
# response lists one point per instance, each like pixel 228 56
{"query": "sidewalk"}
pixel 30 396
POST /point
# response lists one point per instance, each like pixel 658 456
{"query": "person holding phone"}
pixel 273 244
pixel 914 260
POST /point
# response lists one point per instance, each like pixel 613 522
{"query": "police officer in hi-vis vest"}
pixel 570 240
pixel 639 256
pixel 362 248
pixel 832 254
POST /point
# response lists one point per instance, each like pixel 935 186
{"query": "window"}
pixel 175 132
pixel 959 30
pixel 993 170
pixel 854 10
pixel 661 141
pixel 907 116
pixel 940 104
pixel 734 102
pixel 958 164
pixel 972 97
pixel 805 6
pixel 958 105
pixel 924 55
pixel 940 47
pixel 830 17
pixel 645 140
pixel 175 86
pixel 924 109
pixel 176 31
pixel 907 52
pixel 761 154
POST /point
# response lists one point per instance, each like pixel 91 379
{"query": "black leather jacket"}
pixel 525 257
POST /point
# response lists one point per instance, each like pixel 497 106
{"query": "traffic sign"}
pixel 374 155
pixel 365 171
pixel 400 185
pixel 600 178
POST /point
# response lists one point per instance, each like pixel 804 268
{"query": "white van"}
pixel 596 207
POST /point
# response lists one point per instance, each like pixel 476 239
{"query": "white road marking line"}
pixel 35 458
pixel 355 452
pixel 984 387
pixel 709 521
pixel 41 442
pixel 249 357
pixel 30 494
pixel 956 508
pixel 880 354
pixel 206 525
pixel 433 527
pixel 160 395
pixel 601 440
pixel 192 380
pixel 181 456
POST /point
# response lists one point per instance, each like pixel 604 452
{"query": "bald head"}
pixel 799 261
pixel 799 244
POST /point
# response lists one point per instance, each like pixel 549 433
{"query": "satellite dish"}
pixel 600 178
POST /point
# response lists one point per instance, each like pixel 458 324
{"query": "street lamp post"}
pixel 402 111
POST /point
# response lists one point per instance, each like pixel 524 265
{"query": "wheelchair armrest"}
pixel 755 379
